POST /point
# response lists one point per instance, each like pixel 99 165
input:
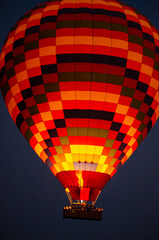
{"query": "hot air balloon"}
pixel 80 79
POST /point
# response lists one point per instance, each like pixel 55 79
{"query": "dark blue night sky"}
pixel 32 200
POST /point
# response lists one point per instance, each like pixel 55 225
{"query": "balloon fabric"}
pixel 80 79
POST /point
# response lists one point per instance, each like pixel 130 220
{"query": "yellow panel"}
pixel 96 158
pixel 34 62
pixel 89 158
pixel 131 142
pixel 128 120
pixel 56 105
pixel 128 154
pixel 57 159
pixel 74 148
pixel 58 169
pixel 68 157
pixel 154 83
pixel 46 51
pixel 52 7
pixel 82 157
pixel 43 156
pixel 122 109
pixel 157 97
pixel 41 127
pixel 66 40
pixel 157 112
pixel 104 168
pixel 11 105
pixel 156 36
pixel 98 150
pixel 46 116
pixel 120 44
pixel 71 166
pixel 98 96
pixel 112 98
pixel 131 131
pixel 146 69
pixel 145 23
pixel 35 16
pixel 131 13
pixel 9 42
pixel 38 137
pixel 68 95
pixel 102 41
pixel 83 149
pixel 75 157
pixel 82 95
pixel 83 40
pixel 38 149
pixel 113 4
pixel 22 76
pixel 102 159
pixel 84 1
pixel 65 166
pixel 137 57
pixel 2 56
pixel 15 89
pixel 21 28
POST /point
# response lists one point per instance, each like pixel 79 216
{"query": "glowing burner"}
pixel 80 178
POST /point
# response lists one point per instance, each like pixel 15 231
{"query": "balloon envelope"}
pixel 80 79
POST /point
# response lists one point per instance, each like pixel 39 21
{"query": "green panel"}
pixel 83 76
pixel 82 131
pixel 100 77
pixel 65 24
pixel 113 161
pixel 112 152
pixel 109 143
pixel 139 140
pixel 149 53
pixel 156 66
pixel 5 89
pixel 136 39
pixel 140 116
pixel 136 103
pixel 40 98
pixel 52 87
pixel 47 34
pixel 103 133
pixel 66 77
pixel 64 140
pixel 128 92
pixel 19 59
pixel 83 24
pixel 33 110
pixel 30 121
pixel 59 149
pixel 10 73
pixel 115 79
pixel 93 132
pixel 72 131
pixel 119 27
pixel 142 127
pixel 28 135
pixel 31 46
pixel 102 25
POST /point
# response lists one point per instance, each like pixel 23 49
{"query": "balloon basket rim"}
pixel 83 211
